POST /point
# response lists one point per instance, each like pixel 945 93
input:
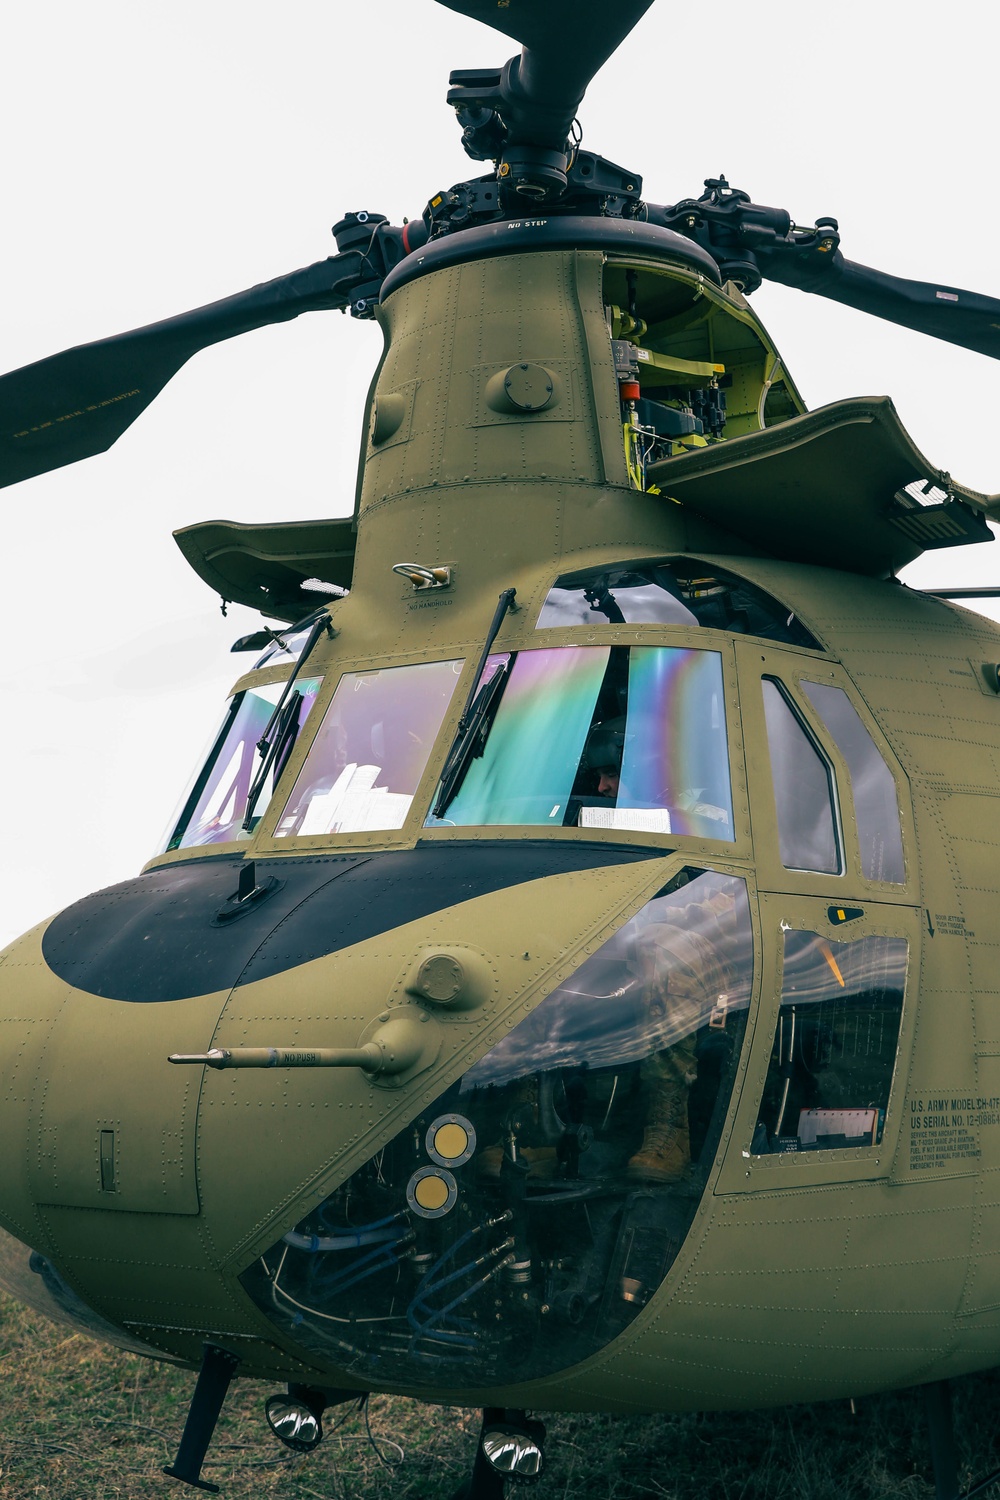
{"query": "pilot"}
pixel 683 980
pixel 603 755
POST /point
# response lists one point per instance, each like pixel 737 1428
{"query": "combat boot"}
pixel 665 1153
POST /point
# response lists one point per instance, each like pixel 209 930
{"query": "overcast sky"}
pixel 156 157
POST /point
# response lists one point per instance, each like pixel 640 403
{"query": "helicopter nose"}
pixel 212 925
pixel 306 952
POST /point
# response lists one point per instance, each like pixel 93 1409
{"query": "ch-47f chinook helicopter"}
pixel 568 981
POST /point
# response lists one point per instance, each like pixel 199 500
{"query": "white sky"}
pixel 156 157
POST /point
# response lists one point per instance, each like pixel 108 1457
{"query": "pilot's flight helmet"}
pixel 605 746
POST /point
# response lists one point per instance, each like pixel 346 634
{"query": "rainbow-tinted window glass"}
pixel 214 809
pixel 370 751
pixel 629 738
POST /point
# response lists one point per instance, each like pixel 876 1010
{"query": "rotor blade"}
pixel 77 403
pixel 564 42
pixel 945 312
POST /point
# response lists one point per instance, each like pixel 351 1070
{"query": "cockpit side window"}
pixel 672 592
pixel 876 804
pixel 804 788
pixel 835 1045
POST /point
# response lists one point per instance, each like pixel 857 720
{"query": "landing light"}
pixel 295 1421
pixel 514 1447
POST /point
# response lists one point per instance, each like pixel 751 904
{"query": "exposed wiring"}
pixel 387 1463
pixel 575 141
pixel 611 1101
pixel 360 1269
pixel 314 1312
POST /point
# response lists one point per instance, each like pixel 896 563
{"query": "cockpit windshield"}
pixel 370 751
pixel 632 738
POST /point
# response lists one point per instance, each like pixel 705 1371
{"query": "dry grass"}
pixel 79 1421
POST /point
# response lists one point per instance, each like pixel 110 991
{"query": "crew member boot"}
pixel 665 1153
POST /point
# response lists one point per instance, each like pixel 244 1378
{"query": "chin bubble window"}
pixel 370 751
pixel 835 1044
pixel 525 1217
pixel 214 810
pixel 630 738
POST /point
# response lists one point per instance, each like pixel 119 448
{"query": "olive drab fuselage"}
pixel 494 449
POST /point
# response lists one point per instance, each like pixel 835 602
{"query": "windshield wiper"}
pixel 478 713
pixel 269 742
pixel 270 637
pixel 473 741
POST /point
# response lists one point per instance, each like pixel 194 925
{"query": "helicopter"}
pixel 494 1099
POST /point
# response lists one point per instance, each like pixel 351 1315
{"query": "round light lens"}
pixel 293 1423
pixel 513 1453
pixel 431 1192
pixel 450 1140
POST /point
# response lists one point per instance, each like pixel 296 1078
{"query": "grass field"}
pixel 80 1421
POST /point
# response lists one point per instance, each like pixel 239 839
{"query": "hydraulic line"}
pixel 349 1239
pixel 360 1269
pixel 434 1315
pixel 432 1283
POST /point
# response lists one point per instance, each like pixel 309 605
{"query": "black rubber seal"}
pixel 571 232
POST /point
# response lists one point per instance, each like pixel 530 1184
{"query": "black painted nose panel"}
pixel 157 937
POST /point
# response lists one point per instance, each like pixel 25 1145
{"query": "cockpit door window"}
pixel 804 788
pixel 834 1048
pixel 826 1068
pixel 876 803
